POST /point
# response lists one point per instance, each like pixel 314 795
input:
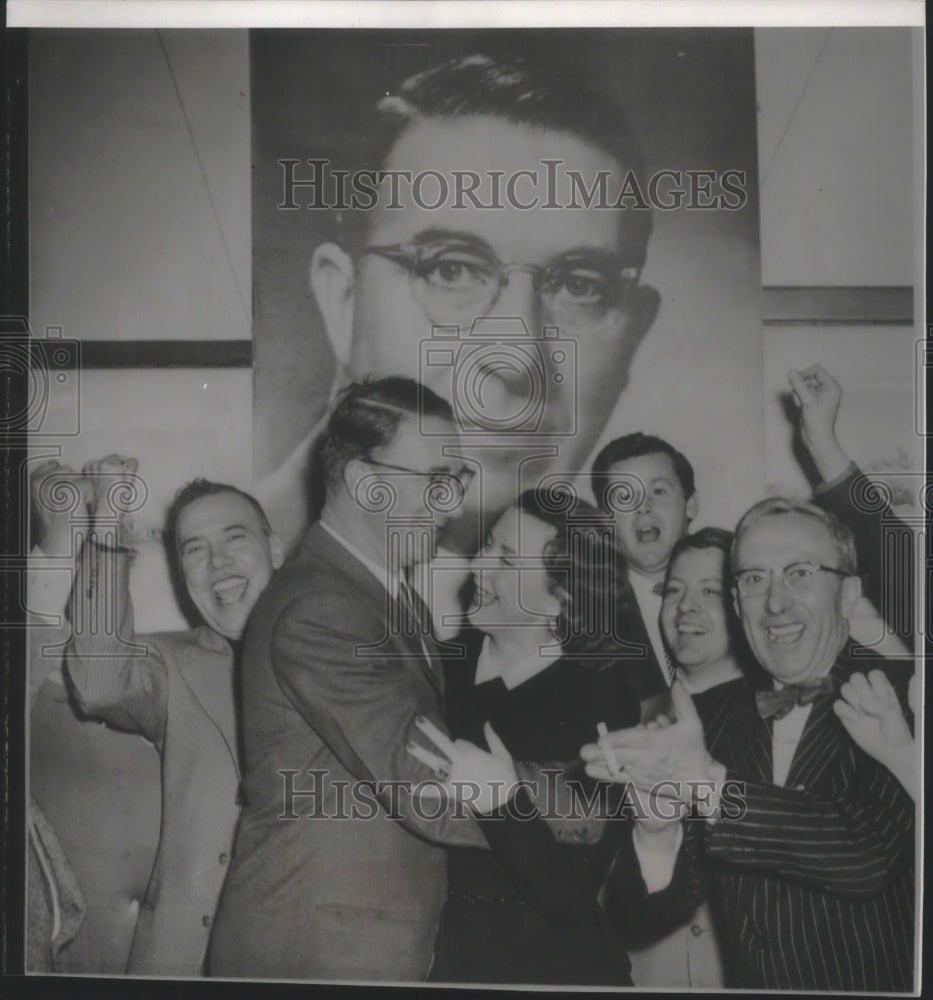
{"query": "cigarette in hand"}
pixel 610 756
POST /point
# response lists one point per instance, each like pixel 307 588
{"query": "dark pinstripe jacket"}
pixel 813 885
pixel 176 689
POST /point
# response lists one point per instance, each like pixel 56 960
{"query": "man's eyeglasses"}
pixel 799 577
pixel 455 281
pixel 446 489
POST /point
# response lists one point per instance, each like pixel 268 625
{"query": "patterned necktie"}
pixel 658 589
pixel 776 704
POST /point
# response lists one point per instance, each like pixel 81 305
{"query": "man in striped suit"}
pixel 805 844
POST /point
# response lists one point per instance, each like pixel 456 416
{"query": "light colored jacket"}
pixel 176 689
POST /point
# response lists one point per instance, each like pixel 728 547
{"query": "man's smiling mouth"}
pixel 785 635
pixel 230 591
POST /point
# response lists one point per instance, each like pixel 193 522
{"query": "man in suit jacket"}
pixel 177 690
pixel 807 846
pixel 338 872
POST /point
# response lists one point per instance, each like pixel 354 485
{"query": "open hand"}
pixel 484 780
pixel 869 710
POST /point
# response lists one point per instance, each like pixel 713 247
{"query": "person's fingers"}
pixel 850 696
pixel 818 375
pixel 47 468
pixel 496 747
pixel 438 764
pixel 882 688
pixel 802 391
pixel 644 761
pixel 846 712
pixel 684 708
pixel 860 685
pixel 440 739
pixel 602 773
pixel 634 737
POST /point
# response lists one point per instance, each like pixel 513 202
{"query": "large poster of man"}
pixel 672 198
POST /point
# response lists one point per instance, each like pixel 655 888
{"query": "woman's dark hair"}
pixel 586 573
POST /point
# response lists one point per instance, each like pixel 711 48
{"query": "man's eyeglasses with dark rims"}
pixel 456 280
pixel 799 577
pixel 453 484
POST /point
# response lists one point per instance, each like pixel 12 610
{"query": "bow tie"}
pixel 776 704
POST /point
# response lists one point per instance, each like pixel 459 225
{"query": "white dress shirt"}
pixel 649 604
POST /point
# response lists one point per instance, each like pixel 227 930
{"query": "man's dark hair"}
pixel 707 538
pixel 586 573
pixel 197 489
pixel 366 415
pixel 634 446
pixel 517 91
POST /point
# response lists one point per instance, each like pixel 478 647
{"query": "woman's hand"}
pixel 484 780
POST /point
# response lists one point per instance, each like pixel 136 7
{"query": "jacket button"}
pixel 223 859
pixel 206 920
pixel 696 930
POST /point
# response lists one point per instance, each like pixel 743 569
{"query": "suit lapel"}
pixel 744 736
pixel 322 546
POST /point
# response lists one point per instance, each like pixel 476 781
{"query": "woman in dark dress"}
pixel 549 611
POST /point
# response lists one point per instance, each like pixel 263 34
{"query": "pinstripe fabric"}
pixel 814 883
pixel 176 689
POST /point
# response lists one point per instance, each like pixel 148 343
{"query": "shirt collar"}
pixel 516 672
pixel 644 586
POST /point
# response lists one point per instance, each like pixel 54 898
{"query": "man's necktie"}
pixel 776 704
pixel 416 619
pixel 658 589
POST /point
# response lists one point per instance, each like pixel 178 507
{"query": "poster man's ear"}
pixel 331 276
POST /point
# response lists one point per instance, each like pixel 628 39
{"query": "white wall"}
pixel 140 230
pixel 139 184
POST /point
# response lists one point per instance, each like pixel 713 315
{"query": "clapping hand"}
pixel 667 751
pixel 485 780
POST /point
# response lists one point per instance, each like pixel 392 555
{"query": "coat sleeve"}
pixel 560 878
pixel 885 545
pixel 640 916
pixel 117 677
pixel 47 591
pixel 851 840
pixel 364 706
